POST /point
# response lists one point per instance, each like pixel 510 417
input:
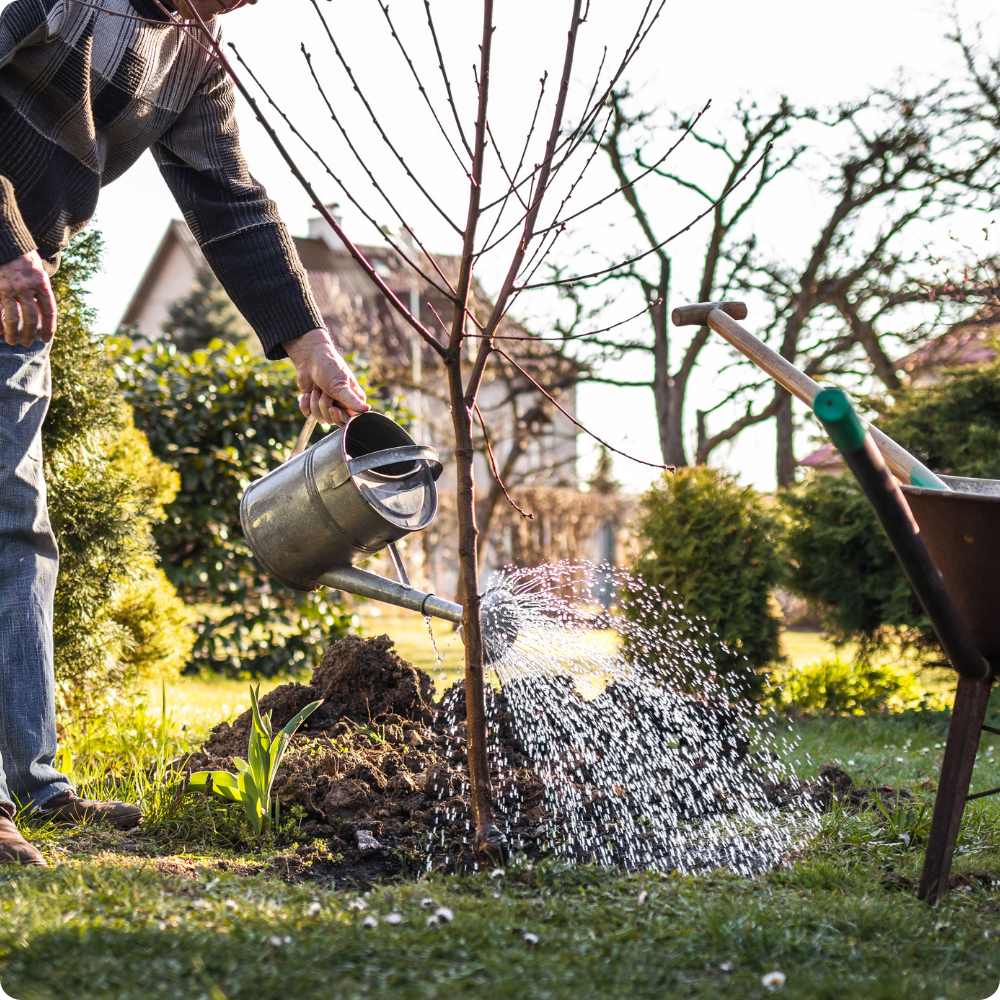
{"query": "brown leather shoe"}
pixel 14 849
pixel 70 808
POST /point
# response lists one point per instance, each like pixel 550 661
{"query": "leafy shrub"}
pixel 840 559
pixel 839 687
pixel 223 417
pixel 116 619
pixel 711 547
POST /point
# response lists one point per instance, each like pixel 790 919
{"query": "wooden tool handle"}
pixel 902 464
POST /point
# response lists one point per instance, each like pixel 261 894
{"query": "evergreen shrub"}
pixel 840 560
pixel 117 620
pixel 711 553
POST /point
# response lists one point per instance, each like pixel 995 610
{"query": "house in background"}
pixel 363 323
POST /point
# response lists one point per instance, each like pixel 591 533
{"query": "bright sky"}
pixel 723 51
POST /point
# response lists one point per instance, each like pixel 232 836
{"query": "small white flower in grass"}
pixel 357 904
pixel 773 981
pixel 531 938
pixel 370 922
pixel 427 902
pixel 497 873
pixel 905 838
pixel 726 967
pixel 274 941
pixel 288 940
pixel 899 760
pixel 990 934
pixel 941 927
pixel 444 914
pixel 231 904
pixel 642 897
pixel 433 921
pixel 314 909
pixel 393 919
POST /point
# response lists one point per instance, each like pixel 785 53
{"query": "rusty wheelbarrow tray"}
pixel 961 530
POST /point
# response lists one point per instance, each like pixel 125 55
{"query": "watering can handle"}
pixel 304 435
pixel 390 456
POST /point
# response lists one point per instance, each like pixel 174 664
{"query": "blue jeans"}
pixel 29 564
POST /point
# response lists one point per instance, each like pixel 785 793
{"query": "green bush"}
pixel 839 687
pixel 710 546
pixel 841 561
pixel 116 620
pixel 223 417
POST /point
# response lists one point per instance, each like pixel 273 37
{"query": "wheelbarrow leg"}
pixel 964 733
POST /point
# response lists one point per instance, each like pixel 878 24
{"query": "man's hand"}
pixel 26 301
pixel 330 392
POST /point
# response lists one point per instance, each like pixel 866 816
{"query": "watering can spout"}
pixel 373 587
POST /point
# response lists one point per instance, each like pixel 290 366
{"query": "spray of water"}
pixel 647 758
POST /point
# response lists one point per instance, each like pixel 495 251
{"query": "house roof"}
pixel 966 343
pixel 177 234
pixel 826 457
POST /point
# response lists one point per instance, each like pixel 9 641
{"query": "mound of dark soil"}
pixel 377 756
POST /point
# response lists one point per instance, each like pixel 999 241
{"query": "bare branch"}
pixel 496 472
pixel 447 82
pixel 420 86
pixel 378 125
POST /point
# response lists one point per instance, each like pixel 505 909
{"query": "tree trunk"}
pixel 785 464
pixel 487 839
pixel 669 402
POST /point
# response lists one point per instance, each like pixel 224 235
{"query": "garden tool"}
pixel 721 317
pixel 355 492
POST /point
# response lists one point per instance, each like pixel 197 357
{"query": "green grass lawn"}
pixel 153 915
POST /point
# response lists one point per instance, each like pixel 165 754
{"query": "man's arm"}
pixel 26 301
pixel 249 249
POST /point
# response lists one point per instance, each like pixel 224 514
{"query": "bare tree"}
pixel 627 143
pixel 909 159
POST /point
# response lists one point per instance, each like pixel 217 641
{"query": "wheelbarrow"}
pixel 945 531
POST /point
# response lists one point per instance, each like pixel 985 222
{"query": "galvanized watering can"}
pixel 352 494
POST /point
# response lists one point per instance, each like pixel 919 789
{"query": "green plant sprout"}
pixel 251 786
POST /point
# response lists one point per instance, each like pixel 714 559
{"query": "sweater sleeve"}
pixel 233 220
pixel 22 23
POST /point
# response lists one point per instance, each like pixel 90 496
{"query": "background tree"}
pixel 118 621
pixel 669 354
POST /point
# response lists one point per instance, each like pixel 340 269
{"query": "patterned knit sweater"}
pixel 83 94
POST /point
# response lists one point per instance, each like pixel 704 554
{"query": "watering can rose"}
pixel 251 785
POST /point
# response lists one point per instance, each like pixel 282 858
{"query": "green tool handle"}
pixel 865 460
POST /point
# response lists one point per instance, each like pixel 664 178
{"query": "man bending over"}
pixel 85 89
